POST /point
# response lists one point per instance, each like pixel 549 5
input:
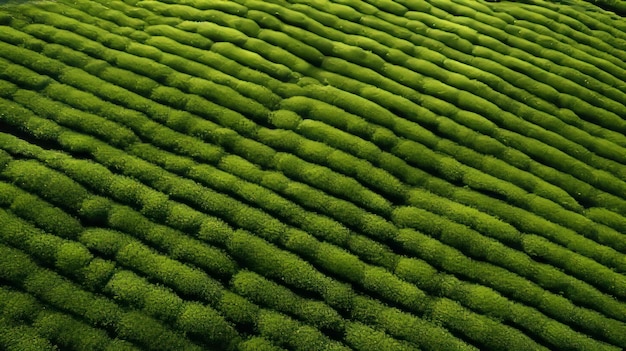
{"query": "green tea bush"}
pixel 226 97
pixel 171 96
pixel 72 257
pixel 89 123
pixel 66 331
pixel 294 46
pixel 208 324
pixel 151 334
pixel 392 288
pixel 270 261
pixel 23 76
pixel 289 141
pixel 376 178
pixel 183 218
pixel 252 60
pixel 60 190
pixel 483 330
pixel 265 20
pixel 405 326
pixel 280 139
pixel 338 139
pixel 269 293
pixel 16 265
pixel 44 215
pixel 96 274
pixel 257 343
pixel 325 179
pixel 510 284
pixel 175 243
pixel 215 32
pixel 159 32
pixel 105 241
pixel 281 56
pixel 244 25
pixel 172 40
pixel 480 221
pixel 22 337
pixel 365 338
pixel 5 159
pixel 577 265
pixel 292 334
pixel 18 306
pixel 55 290
pixel 29 58
pixel 124 79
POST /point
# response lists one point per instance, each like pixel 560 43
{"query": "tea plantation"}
pixel 313 175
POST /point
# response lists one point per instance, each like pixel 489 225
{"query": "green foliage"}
pixel 72 257
pixel 26 121
pixel 63 294
pixel 182 217
pixel 204 321
pixel 105 241
pixel 266 20
pixel 258 344
pixel 17 306
pixel 339 139
pixel 506 282
pixel 227 97
pixel 139 328
pixel 607 217
pixel 95 209
pixel 238 309
pixel 23 76
pixel 294 46
pixel 278 297
pixel 576 265
pixel 171 96
pixel 370 175
pixel 185 279
pixel 284 266
pixel 479 328
pixel 366 338
pixel 22 338
pixel 215 32
pixel 32 59
pixel 68 332
pixel 134 291
pixel 175 41
pixel 285 119
pixel 253 60
pixel 97 273
pixel 128 86
pixel 405 326
pixel 8 192
pixel 325 179
pixel 73 118
pixel 46 216
pixel 15 265
pixel 394 289
pixel 289 333
pixel 215 230
pixel 49 184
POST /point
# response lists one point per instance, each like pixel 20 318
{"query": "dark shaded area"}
pixel 19 133
pixel 617 6
pixel 16 2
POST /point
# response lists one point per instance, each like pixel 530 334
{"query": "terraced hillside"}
pixel 313 175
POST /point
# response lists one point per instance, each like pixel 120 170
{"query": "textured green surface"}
pixel 313 175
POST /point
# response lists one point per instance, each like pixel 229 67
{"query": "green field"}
pixel 312 175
